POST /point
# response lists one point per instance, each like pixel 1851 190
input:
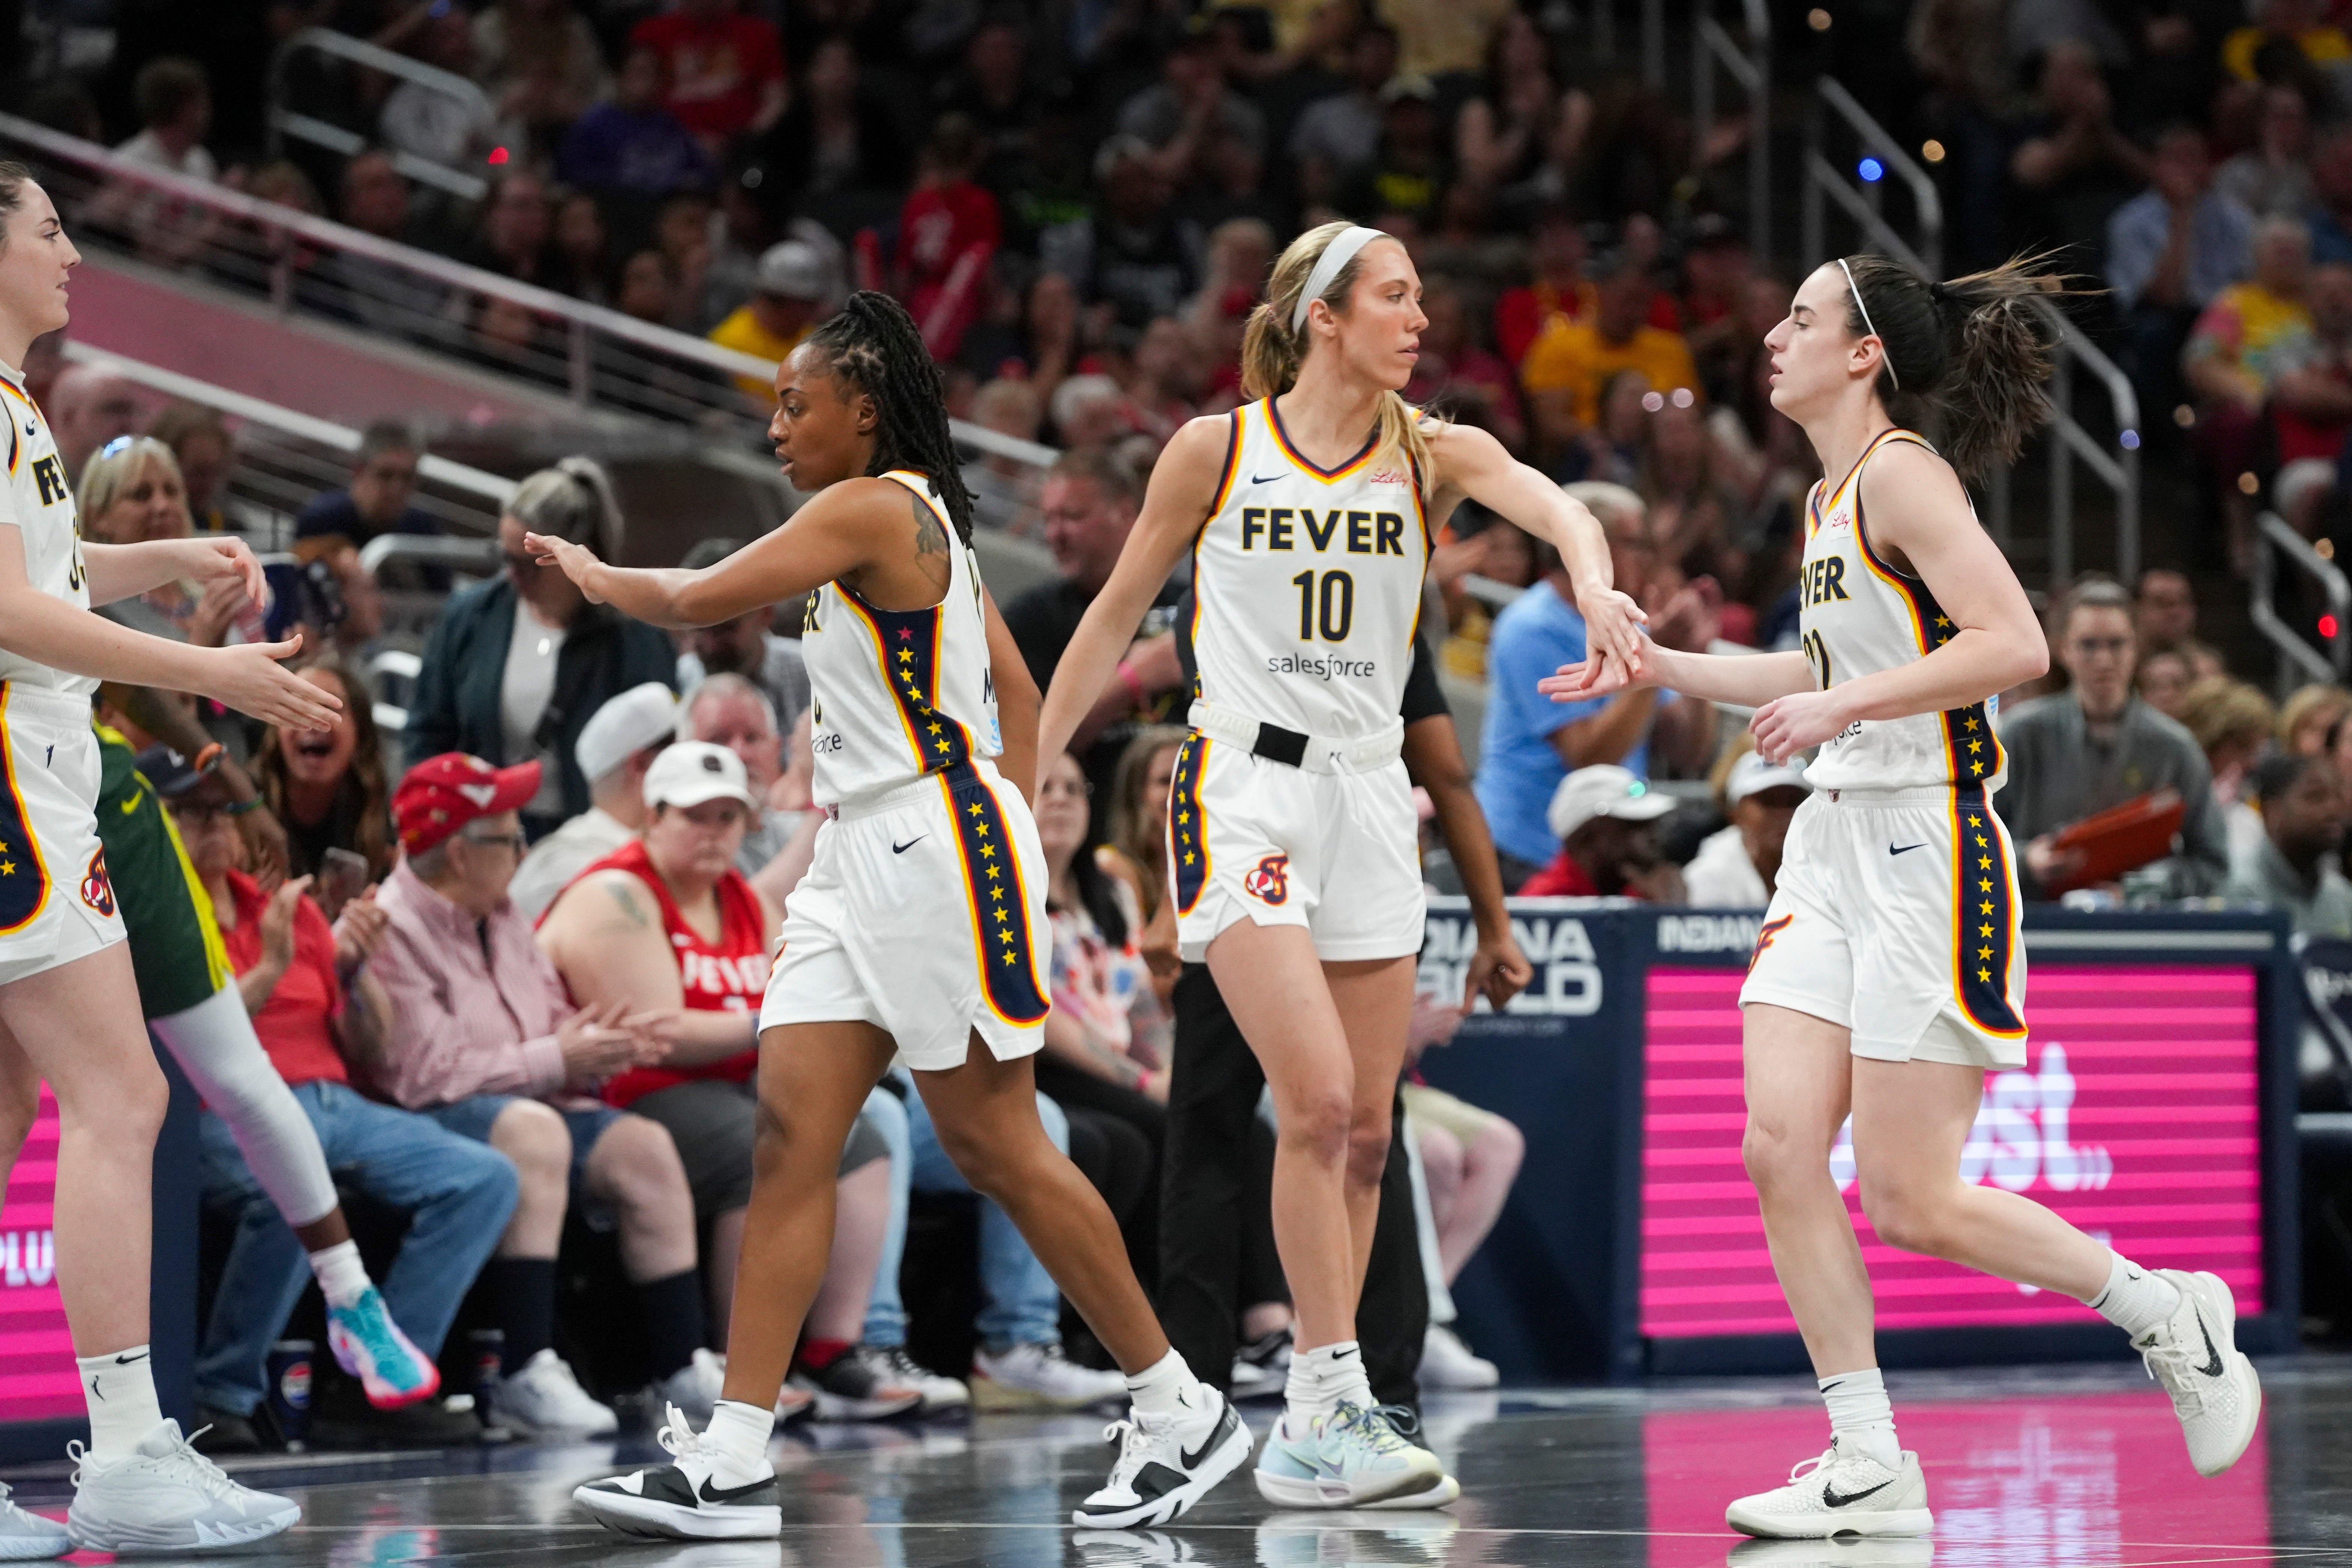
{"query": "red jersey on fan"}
pixel 730 975
pixel 717 67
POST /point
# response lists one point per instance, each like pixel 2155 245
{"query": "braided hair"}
pixel 874 344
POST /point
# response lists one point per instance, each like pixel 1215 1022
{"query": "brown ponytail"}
pixel 1272 353
pixel 1976 351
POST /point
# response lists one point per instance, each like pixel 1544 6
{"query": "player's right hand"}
pixel 1597 677
pixel 249 678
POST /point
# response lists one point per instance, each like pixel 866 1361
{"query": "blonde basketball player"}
pixel 919 930
pixel 1890 976
pixel 68 1001
pixel 1308 514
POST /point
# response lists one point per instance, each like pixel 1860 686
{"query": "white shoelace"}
pixel 184 1463
pixel 2173 1367
pixel 1820 1461
pixel 677 1436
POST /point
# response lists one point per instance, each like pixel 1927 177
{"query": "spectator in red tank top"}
pixel 666 928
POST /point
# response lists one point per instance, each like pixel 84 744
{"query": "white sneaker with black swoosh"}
pixel 683 1501
pixel 1837 1494
pixel 1166 1463
pixel 2194 1354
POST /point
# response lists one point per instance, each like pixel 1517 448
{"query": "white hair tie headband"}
pixel 1884 358
pixel 1336 255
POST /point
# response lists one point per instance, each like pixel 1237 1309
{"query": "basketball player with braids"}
pixel 1308 514
pixel 919 930
pixel 1890 976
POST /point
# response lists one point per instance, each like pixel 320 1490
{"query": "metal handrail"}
pixel 1712 45
pixel 1874 139
pixel 479 483
pixel 2273 532
pixel 284 123
pixel 2117 468
pixel 585 325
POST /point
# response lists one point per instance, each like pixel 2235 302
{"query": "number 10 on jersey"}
pixel 1327 606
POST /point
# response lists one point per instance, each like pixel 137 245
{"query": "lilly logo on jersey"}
pixel 1368 532
pixel 1270 880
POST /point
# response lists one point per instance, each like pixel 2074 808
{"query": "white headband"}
pixel 1884 358
pixel 1336 255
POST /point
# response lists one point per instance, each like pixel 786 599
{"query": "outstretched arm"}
pixel 46 630
pixel 1740 680
pixel 1474 463
pixel 1183 487
pixel 832 535
pixel 120 571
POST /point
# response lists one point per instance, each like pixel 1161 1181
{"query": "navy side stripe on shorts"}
pixel 1006 947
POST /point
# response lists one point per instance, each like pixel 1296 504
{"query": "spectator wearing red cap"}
pixel 483 1041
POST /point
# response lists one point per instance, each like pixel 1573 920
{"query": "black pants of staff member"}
pixel 1206 1188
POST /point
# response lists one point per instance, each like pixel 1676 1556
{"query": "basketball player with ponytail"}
pixel 919 930
pixel 1890 976
pixel 1308 514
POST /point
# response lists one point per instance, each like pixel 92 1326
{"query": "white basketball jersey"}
pixel 39 501
pixel 1306 584
pixel 1859 615
pixel 897 695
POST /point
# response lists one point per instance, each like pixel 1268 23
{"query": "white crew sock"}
pixel 1861 1419
pixel 1321 1380
pixel 119 1389
pixel 1159 1389
pixel 739 1435
pixel 342 1278
pixel 2135 1300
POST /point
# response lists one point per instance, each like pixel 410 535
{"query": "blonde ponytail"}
pixel 1272 353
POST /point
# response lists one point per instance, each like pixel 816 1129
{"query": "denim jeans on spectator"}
pixel 458 1193
pixel 1021 1304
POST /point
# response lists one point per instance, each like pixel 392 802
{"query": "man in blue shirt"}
pixel 384 483
pixel 1529 742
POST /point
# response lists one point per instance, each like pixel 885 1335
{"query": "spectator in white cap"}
pixel 1606 819
pixel 787 292
pixel 616 747
pixel 1738 866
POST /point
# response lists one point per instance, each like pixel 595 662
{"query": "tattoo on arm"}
pixel 930 539
pixel 628 902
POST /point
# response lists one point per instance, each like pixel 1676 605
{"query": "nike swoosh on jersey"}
pixel 132 804
pixel 1833 1498
pixel 1906 850
pixel 1268 478
pixel 899 849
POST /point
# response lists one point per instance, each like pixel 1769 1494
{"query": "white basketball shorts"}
pixel 923 913
pixel 1338 853
pixel 55 902
pixel 1896 918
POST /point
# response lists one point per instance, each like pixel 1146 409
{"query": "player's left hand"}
pixel 1786 725
pixel 210 557
pixel 574 561
pixel 1498 972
